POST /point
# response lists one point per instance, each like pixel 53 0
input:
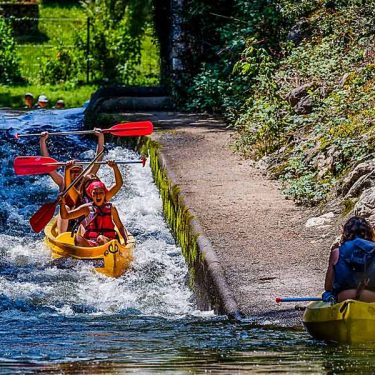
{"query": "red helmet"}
pixel 95 185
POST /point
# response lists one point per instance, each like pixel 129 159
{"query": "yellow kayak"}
pixel 111 259
pixel 347 322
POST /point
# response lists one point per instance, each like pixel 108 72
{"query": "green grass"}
pixel 12 97
pixel 51 34
pixel 32 48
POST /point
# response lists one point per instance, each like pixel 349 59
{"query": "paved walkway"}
pixel 258 235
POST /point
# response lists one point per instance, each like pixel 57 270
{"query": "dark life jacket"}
pixel 356 263
pixel 99 222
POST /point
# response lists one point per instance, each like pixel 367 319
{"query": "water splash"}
pixel 156 284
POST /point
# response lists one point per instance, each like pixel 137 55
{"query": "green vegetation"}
pixel 266 49
pixel 54 60
pixel 9 68
pixel 13 96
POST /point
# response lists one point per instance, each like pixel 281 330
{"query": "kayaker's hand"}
pixel 43 136
pixel 98 132
pixel 328 296
pixel 112 163
pixel 61 199
pixel 69 164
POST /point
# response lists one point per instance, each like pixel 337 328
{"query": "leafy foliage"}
pixel 266 49
pixel 117 30
pixel 9 66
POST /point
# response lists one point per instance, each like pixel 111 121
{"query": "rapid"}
pixel 69 319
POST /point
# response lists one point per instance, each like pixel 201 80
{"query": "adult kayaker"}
pixel 71 172
pixel 351 269
pixel 101 217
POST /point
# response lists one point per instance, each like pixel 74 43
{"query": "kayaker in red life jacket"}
pixel 351 269
pixel 71 172
pixel 101 217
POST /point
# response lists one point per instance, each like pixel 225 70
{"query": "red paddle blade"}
pixel 26 165
pixel 43 216
pixel 131 129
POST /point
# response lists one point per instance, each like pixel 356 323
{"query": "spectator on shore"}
pixel 42 102
pixel 28 99
pixel 59 104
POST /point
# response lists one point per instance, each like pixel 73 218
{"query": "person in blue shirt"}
pixel 351 268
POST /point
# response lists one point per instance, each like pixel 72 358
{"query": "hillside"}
pixel 297 83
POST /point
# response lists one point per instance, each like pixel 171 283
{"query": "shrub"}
pixel 9 61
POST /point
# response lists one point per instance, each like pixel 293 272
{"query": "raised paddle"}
pixel 45 213
pixel 28 165
pixel 126 129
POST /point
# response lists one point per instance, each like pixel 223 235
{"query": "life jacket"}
pixel 356 264
pixel 99 222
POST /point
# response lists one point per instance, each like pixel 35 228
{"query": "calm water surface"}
pixel 70 319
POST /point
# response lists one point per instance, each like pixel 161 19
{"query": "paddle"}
pixel 126 129
pixel 28 165
pixel 297 299
pixel 45 213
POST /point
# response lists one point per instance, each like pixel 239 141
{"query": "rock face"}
pixel 365 207
pixel 300 100
pixel 361 178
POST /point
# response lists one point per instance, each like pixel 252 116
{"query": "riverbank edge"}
pixel 210 285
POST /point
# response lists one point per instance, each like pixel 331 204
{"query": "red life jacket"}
pixel 99 222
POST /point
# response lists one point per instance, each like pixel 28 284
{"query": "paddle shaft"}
pixel 137 128
pixel 298 299
pixel 62 133
pixel 97 162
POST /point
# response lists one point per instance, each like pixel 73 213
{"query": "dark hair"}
pixel 357 227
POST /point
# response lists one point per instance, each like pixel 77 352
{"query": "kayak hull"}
pixel 347 322
pixel 111 259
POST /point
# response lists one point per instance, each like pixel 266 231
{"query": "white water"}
pixel 156 285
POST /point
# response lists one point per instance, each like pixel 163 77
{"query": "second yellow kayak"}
pixel 347 322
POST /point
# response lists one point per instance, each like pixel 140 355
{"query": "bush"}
pixel 9 61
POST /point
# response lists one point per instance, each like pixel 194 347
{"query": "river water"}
pixel 71 319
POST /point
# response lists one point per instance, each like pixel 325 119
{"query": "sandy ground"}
pixel 260 237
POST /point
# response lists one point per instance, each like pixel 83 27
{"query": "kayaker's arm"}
pixel 56 177
pixel 118 181
pixel 330 274
pixel 116 219
pixel 94 169
pixel 73 214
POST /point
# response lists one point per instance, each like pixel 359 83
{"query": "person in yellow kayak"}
pixel 351 269
pixel 71 172
pixel 100 221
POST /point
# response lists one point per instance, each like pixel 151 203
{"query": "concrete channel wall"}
pixel 206 274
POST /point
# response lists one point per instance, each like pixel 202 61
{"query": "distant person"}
pixel 351 269
pixel 29 100
pixel 59 104
pixel 42 102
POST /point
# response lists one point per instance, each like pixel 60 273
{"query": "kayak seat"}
pixel 65 237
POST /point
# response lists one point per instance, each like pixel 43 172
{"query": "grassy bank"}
pixel 12 96
pixel 50 50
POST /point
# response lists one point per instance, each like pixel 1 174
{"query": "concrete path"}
pixel 258 235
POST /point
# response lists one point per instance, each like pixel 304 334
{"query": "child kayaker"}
pixel 100 218
pixel 71 172
pixel 351 269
